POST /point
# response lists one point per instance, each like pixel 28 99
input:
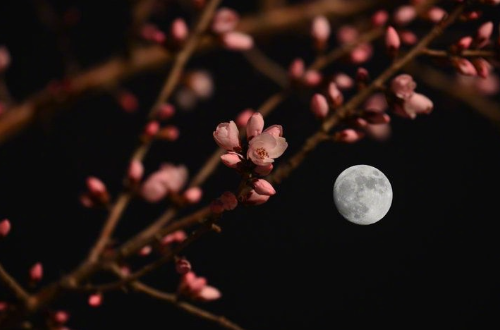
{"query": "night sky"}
pixel 293 262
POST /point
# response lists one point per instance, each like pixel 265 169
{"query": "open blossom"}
pixel 225 20
pixel 264 148
pixel 417 104
pixel 403 86
pixel 168 178
pixel 227 136
pixel 196 288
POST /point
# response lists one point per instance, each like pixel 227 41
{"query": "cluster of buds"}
pixel 96 194
pixel 166 180
pixel 195 287
pixel 403 99
pixel 223 26
pixel 253 159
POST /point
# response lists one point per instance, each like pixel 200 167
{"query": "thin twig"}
pixel 470 53
pixel 267 67
pixel 13 286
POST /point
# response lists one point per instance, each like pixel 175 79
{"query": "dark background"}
pixel 293 262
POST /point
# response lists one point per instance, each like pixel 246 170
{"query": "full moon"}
pixel 362 194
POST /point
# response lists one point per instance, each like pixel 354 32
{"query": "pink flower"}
pixel 380 17
pixel 464 43
pixel 264 148
pixel 484 33
pixel 347 34
pixel 374 117
pixel 61 317
pixel 231 159
pixel 262 187
pixel 254 198
pixel 482 66
pixel 436 14
pixel 296 69
pixel 225 20
pixel 392 41
pixel 182 266
pixel 4 227
pixel 319 106
pixel 135 171
pixel 228 200
pixel 376 103
pixel 320 31
pixel 226 135
pixel 95 300
pixel 167 179
pixel 193 195
pixel 175 237
pixel 179 30
pixel 403 86
pixel 415 105
pixel 165 111
pixel 312 78
pixel 237 41
pixel 36 272
pixel 407 37
pixel 151 128
pixel 274 130
pixel 196 288
pixel 128 101
pixel 146 250
pixel 348 135
pixel 200 82
pixel 335 95
pixel 343 81
pixel 361 54
pixel 209 293
pixel 404 15
pixel 255 125
pixel 3 306
pixel 465 67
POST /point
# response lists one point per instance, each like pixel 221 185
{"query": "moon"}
pixel 362 194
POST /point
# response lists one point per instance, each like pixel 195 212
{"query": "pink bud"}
pixel 146 250
pixel 348 136
pixel 61 317
pixel 128 101
pixel 228 200
pixel 86 201
pixel 216 207
pixel 175 237
pixel 165 111
pixel 237 41
pixel 263 170
pixel 150 32
pixel 361 54
pixel 179 30
pixel 404 15
pixel 36 272
pixel 182 266
pixel 408 37
pixel 243 117
pixel 418 104
pixel 193 195
pixel 296 69
pixel 201 83
pixel 320 31
pixel 380 17
pixel 376 103
pixel 255 125
pixel 464 43
pixel 225 20
pixel 403 86
pixel 392 41
pixel 312 78
pixel 95 300
pixel 254 198
pixel 343 81
pixel 151 128
pixel 3 306
pixel 226 135
pixel 169 133
pixel 484 33
pixel 263 187
pixel 275 130
pixel 335 95
pixel 465 67
pixel 209 293
pixel 4 227
pixel 135 171
pixel 436 14
pixel 362 75
pixel 347 34
pixel 4 58
pixel 95 186
pixel 376 118
pixel 319 106
pixel 482 66
pixel 231 159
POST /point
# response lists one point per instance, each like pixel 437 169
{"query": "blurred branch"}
pixel 266 5
pixel 109 74
pixel 267 67
pixel 464 53
pixel 13 286
pixel 443 83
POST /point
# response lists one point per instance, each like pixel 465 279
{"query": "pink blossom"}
pixel 3 306
pixel 193 195
pixel 4 227
pixel 263 170
pixel 319 106
pixel 243 117
pixel 403 86
pixel 335 95
pixel 312 78
pixel 343 81
pixel 264 148
pixel 96 186
pixel 378 132
pixel 169 133
pixel 231 159
pixel 415 105
pixel 274 130
pixel 348 135
pixel 176 237
pixel 392 41
pixel 146 250
pixel 151 128
pixel 376 103
pixel 225 20
pixel 404 15
pixel 361 54
pixel 182 266
pixel 407 37
pixel 380 17
pixel 347 34
pixel 151 33
pixel 320 31
pixel 484 33
pixel 128 101
pixel 262 187
pixel 200 82
pixel 61 317
pixel 228 200
pixel 167 179
pixel 196 288
pixel 436 14
pixel 296 69
pixel 237 41
pixel 226 135
pixel 179 30
pixel 4 58
pixel 482 66
pixel 209 293
pixel 135 171
pixel 465 67
pixel 464 43
pixel 254 125
pixel 253 198
pixel 95 300
pixel 166 111
pixel 36 272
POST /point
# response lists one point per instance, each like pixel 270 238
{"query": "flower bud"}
pixel 4 227
pixel 319 106
pixel 263 187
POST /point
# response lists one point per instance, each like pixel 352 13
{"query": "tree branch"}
pixel 13 286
